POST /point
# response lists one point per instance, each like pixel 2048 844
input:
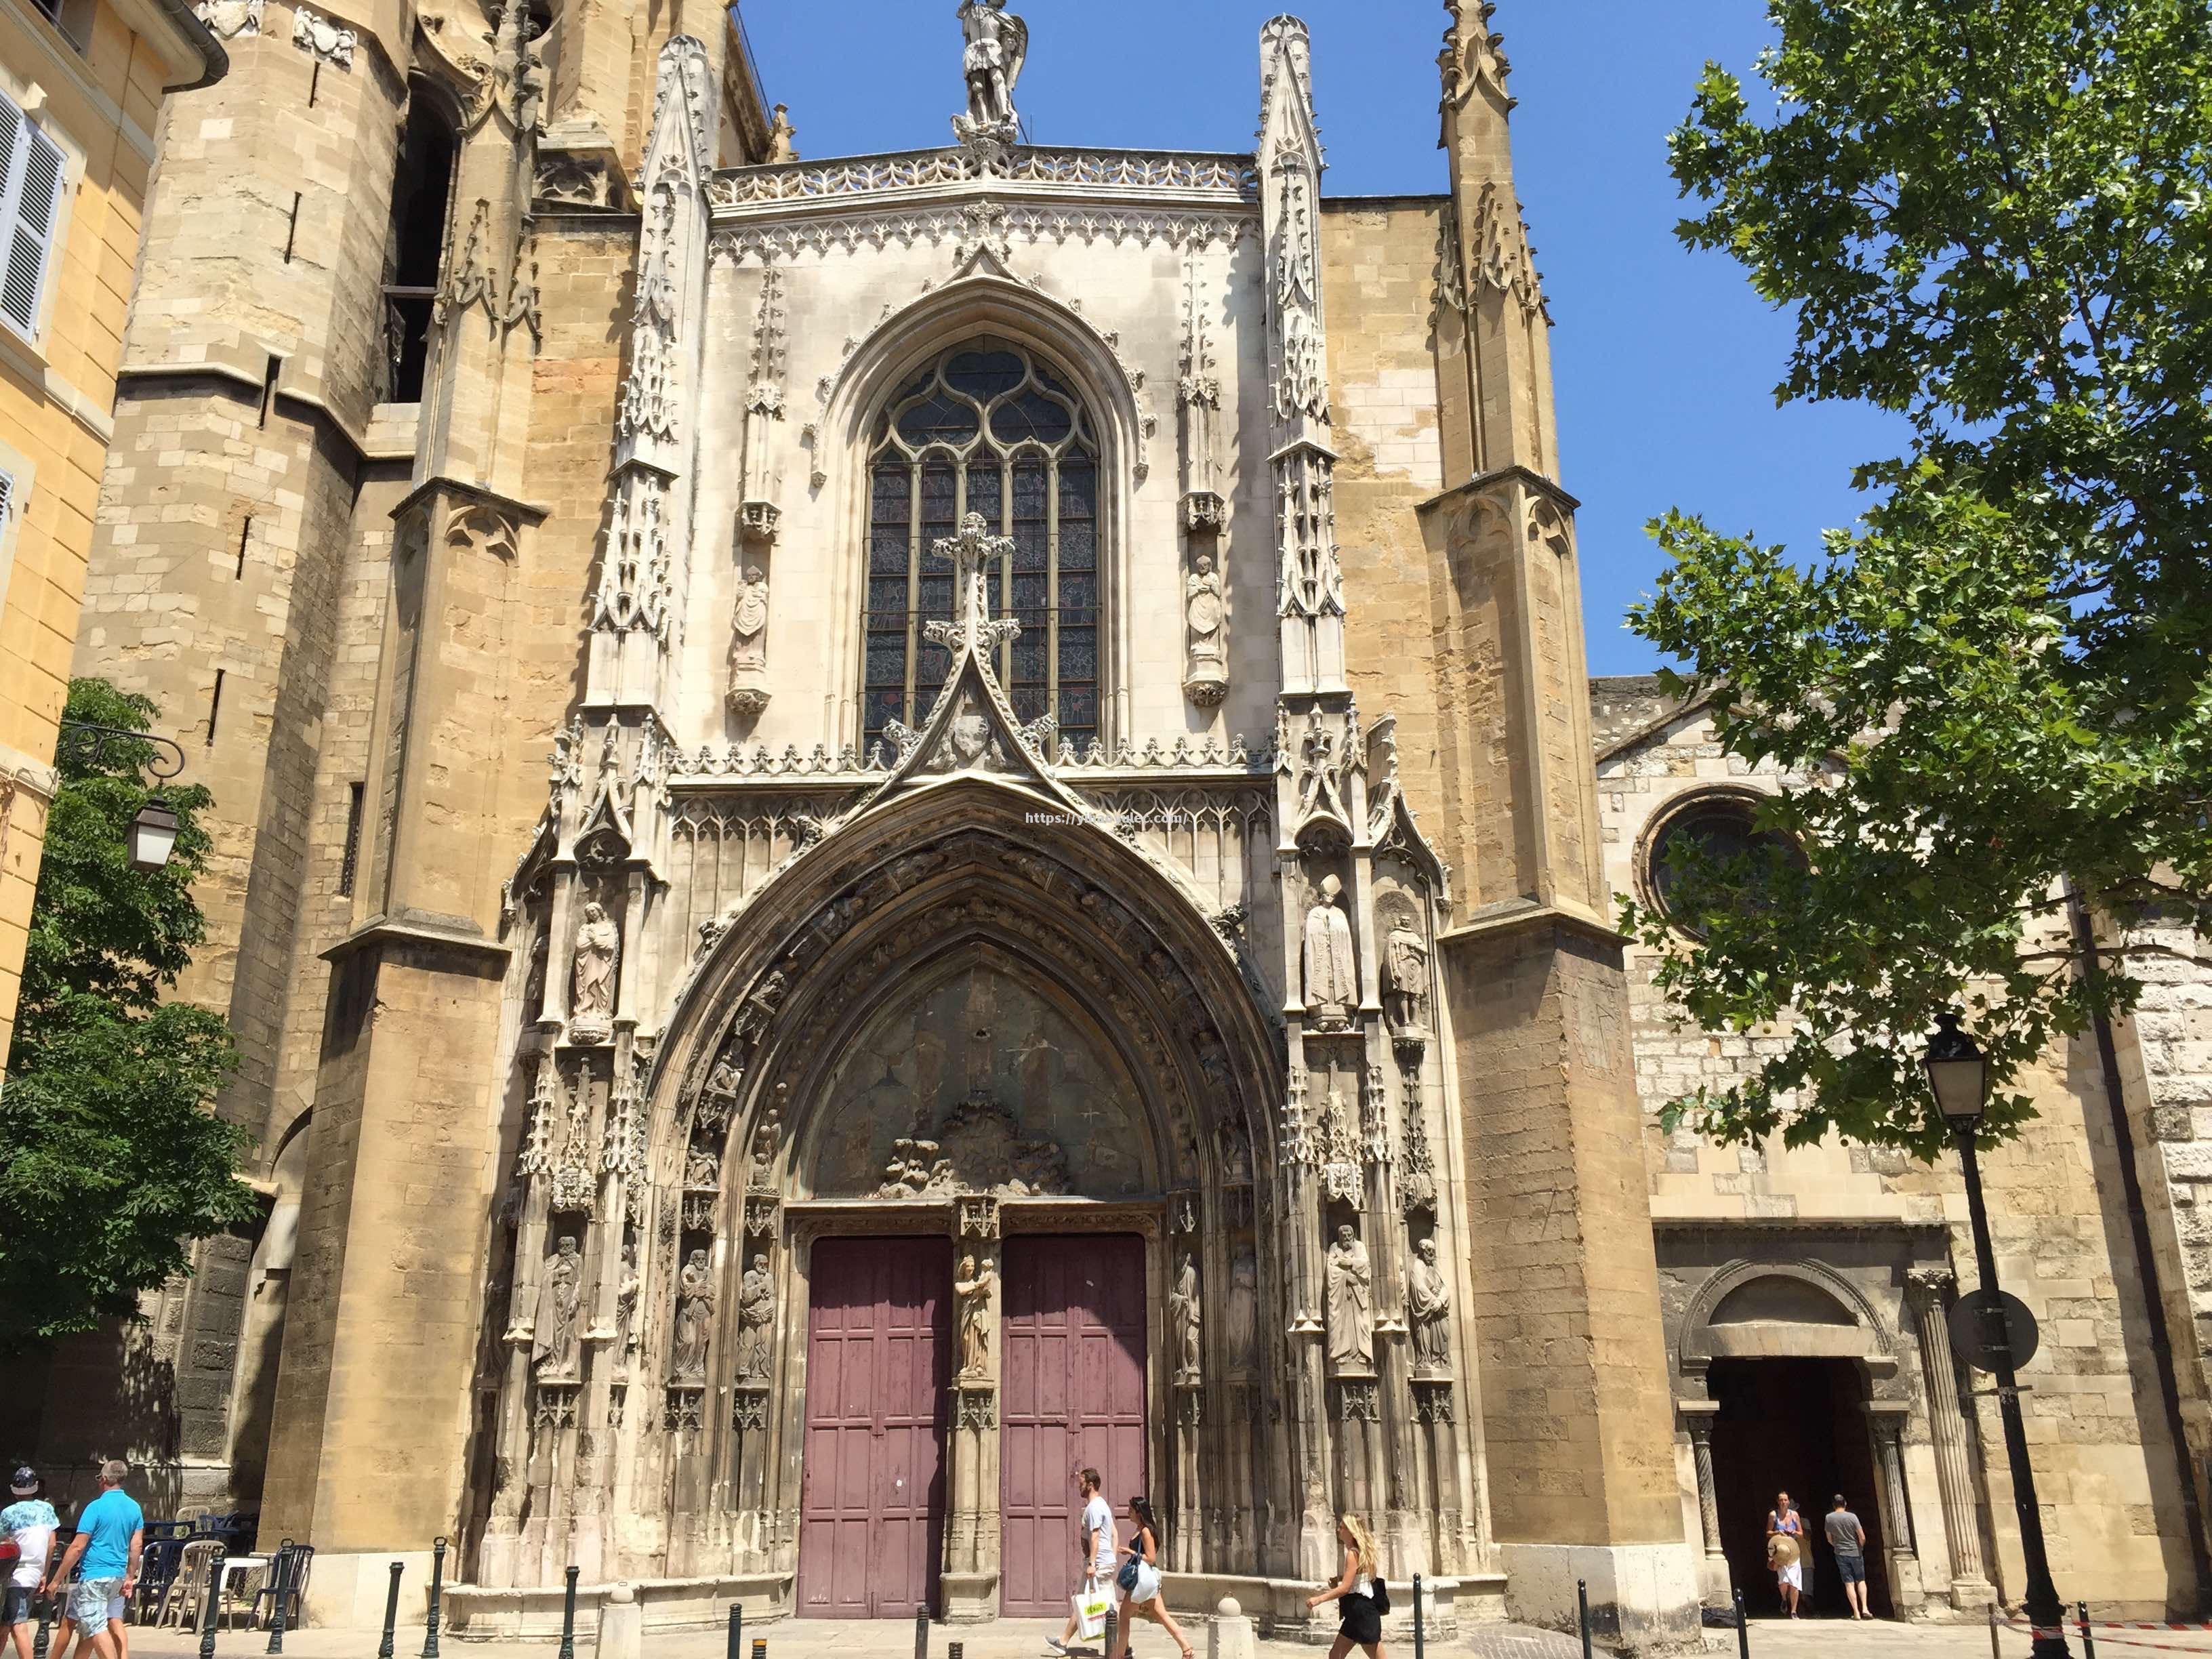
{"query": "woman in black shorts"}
pixel 1360 1609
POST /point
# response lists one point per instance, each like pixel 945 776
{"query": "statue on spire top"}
pixel 997 45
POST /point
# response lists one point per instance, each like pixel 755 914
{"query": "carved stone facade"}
pixel 964 701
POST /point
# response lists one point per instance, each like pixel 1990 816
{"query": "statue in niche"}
pixel 626 1294
pixel 1405 974
pixel 599 951
pixel 1320 790
pixel 721 1094
pixel 749 626
pixel 782 137
pixel 694 1313
pixel 972 1294
pixel 1351 1286
pixel 1186 1319
pixel 1236 1155
pixel 1205 609
pixel 702 1170
pixel 1244 1307
pixel 560 1300
pixel 1332 978
pixel 755 1312
pixel 997 45
pixel 760 1172
pixel 1428 1306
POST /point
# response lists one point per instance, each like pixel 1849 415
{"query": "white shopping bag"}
pixel 1091 1605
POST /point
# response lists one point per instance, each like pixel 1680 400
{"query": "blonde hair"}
pixel 1363 1541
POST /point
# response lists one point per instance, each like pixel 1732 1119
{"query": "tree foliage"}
pixel 1991 218
pixel 111 1162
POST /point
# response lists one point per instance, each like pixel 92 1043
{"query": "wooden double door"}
pixel 879 1375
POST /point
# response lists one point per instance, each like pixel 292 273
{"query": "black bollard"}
pixel 280 1581
pixel 210 1610
pixel 2088 1641
pixel 1421 1629
pixel 390 1612
pixel 437 1591
pixel 955 1650
pixel 45 1633
pixel 737 1629
pixel 1113 1624
pixel 922 1633
pixel 1581 1596
pixel 760 1647
pixel 568 1615
pixel 1742 1629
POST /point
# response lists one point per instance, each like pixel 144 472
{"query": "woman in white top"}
pixel 1359 1616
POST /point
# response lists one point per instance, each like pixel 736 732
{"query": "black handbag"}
pixel 1381 1596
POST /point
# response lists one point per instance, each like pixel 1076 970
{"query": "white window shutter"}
pixel 33 199
pixel 7 501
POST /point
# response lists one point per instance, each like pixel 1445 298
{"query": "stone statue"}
pixel 626 1303
pixel 560 1299
pixel 760 1171
pixel 755 1312
pixel 694 1314
pixel 1244 1308
pixel 1332 979
pixel 1351 1305
pixel 702 1170
pixel 1428 1306
pixel 972 1292
pixel 598 950
pixel 781 138
pixel 1206 611
pixel 749 625
pixel 997 45
pixel 1186 1319
pixel 1406 968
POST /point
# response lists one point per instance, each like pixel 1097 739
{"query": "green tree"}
pixel 111 1162
pixel 1990 217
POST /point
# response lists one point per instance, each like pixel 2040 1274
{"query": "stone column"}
pixel 1955 1476
pixel 973 1526
pixel 1886 1422
pixel 1698 1418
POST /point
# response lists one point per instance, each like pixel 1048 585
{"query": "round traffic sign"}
pixel 1981 1340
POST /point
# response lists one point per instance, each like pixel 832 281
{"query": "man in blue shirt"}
pixel 111 1532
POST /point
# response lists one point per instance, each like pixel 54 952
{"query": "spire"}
pixel 1492 315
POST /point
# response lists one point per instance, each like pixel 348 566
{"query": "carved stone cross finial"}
pixel 970 554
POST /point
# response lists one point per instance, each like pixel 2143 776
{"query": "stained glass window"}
pixel 987 428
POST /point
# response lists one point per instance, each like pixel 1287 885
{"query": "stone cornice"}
pixel 1185 178
pixel 417 929
pixel 1536 480
pixel 1528 915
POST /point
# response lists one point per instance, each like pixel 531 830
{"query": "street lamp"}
pixel 153 835
pixel 1959 1078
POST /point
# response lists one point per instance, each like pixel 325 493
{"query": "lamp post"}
pixel 1959 1078
pixel 153 834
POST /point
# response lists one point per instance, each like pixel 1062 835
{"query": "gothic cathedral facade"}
pixel 887 827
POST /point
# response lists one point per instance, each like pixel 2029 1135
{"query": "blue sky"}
pixel 1666 361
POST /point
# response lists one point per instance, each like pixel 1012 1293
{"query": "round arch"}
pixel 987 300
pixel 1805 1298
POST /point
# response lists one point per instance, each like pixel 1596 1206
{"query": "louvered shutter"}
pixel 31 200
pixel 7 503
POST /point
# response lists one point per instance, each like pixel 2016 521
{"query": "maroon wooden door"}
pixel 878 1365
pixel 1072 1396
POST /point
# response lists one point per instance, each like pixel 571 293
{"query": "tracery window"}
pixel 987 428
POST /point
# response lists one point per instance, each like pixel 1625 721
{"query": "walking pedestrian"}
pixel 1094 1548
pixel 29 1522
pixel 1357 1592
pixel 1785 1550
pixel 1847 1538
pixel 111 1534
pixel 1139 1581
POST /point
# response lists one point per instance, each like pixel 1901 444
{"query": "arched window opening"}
pixel 420 190
pixel 987 428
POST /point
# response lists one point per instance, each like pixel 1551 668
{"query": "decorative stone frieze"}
pixel 326 41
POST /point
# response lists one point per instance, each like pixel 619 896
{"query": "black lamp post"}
pixel 1959 1077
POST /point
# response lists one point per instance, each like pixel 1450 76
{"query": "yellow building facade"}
pixel 82 83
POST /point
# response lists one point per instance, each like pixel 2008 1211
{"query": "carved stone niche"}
pixel 759 522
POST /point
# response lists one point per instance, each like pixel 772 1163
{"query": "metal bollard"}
pixel 2089 1639
pixel 1742 1629
pixel 1582 1595
pixel 1995 1652
pixel 955 1650
pixel 210 1610
pixel 280 1581
pixel 568 1614
pixel 437 1589
pixel 1421 1629
pixel 737 1629
pixel 1113 1627
pixel 45 1635
pixel 391 1612
pixel 922 1633
pixel 760 1647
